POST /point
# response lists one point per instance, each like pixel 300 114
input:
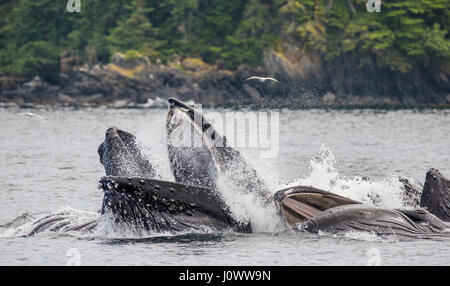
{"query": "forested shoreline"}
pixel 323 52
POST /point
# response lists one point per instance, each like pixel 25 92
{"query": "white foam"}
pixel 247 206
pixel 361 235
pixel 154 102
pixel 324 175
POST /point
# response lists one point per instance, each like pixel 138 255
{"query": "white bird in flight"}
pixel 262 79
pixel 31 114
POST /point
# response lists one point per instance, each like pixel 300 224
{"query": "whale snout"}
pixel 112 132
pixel 121 155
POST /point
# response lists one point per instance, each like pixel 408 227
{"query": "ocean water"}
pixel 49 163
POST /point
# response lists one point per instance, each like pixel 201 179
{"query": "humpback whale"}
pixel 229 161
pixel 134 195
pixel 158 205
pixel 190 160
pixel 121 155
pixel 314 210
pixel 155 205
pixel 436 195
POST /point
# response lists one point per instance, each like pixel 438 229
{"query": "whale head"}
pixel 436 194
pixel 121 155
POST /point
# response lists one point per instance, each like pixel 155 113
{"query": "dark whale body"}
pixel 436 195
pixel 381 221
pixel 134 196
pixel 61 221
pixel 192 166
pixel 315 210
pixel 155 205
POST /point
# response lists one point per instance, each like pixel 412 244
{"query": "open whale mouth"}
pixel 226 159
pixel 315 210
pixel 299 204
pixel 178 104
pixel 196 120
pixel 155 205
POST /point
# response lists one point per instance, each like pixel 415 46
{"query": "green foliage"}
pixel 400 37
pixel 405 35
pixel 135 32
pixel 257 30
pixel 38 58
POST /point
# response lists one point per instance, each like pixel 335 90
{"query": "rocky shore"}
pixel 305 81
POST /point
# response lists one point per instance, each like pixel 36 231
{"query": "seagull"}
pixel 262 79
pixel 31 114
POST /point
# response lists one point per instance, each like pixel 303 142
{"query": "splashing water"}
pixel 244 206
pixel 324 175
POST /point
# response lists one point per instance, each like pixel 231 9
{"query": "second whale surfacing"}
pixel 314 210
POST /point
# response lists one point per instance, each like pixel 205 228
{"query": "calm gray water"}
pixel 50 163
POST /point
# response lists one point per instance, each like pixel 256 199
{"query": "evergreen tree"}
pixel 406 35
pixel 135 32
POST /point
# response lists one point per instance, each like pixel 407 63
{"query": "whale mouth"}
pixel 302 203
pixel 226 159
pixel 177 105
pixel 173 102
pixel 196 119
pixel 155 205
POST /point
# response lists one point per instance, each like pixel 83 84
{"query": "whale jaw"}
pixel 154 205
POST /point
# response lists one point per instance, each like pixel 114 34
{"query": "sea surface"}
pixel 49 163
